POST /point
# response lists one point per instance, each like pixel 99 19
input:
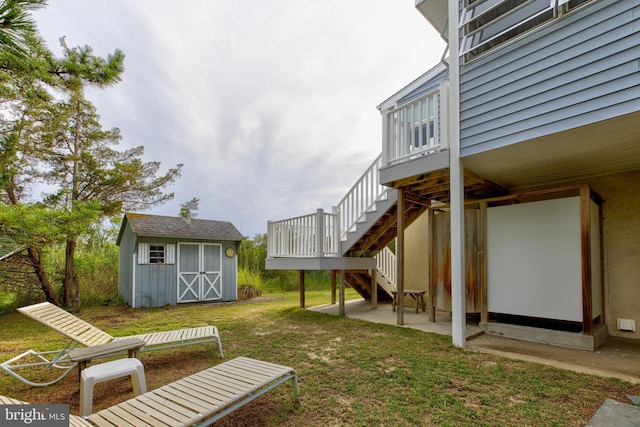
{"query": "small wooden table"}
pixel 84 355
pixel 416 294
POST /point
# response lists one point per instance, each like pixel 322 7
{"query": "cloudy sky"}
pixel 270 105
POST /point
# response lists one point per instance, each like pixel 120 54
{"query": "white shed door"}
pixel 199 272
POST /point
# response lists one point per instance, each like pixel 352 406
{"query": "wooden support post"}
pixel 431 265
pixel 302 302
pixel 400 256
pixel 585 238
pixel 341 296
pixel 482 253
pixel 601 261
pixel 374 289
pixel 333 286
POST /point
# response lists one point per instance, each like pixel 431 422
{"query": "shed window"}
pixel 156 253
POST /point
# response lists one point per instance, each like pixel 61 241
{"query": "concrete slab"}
pixel 361 309
pixel 614 413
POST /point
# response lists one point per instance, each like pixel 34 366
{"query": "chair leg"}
pixel 86 396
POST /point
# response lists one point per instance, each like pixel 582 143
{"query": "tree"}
pixel 23 103
pixel 84 167
pixel 58 140
pixel 187 208
pixel 16 24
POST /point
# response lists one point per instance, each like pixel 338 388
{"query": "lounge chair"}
pixel 199 399
pixel 85 334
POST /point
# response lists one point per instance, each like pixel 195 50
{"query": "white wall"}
pixel 534 264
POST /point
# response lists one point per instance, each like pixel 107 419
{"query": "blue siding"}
pixel 155 284
pixel 577 70
pixel 125 262
pixel 427 87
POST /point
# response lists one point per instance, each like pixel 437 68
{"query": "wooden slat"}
pixel 198 396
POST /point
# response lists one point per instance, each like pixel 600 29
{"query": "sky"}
pixel 269 105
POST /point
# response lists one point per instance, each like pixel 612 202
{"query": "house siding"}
pixel 577 70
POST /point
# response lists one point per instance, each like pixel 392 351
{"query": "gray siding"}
pixel 577 70
pixel 156 285
pixel 125 273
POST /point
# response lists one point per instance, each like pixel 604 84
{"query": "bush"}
pixel 250 284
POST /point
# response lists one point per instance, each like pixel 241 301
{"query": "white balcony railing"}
pixel 415 129
pixel 360 198
pixel 315 235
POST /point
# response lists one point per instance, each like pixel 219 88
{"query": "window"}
pixel 156 253
pixel 490 23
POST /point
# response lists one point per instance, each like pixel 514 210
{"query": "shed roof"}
pixel 178 227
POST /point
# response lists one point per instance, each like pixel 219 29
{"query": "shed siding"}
pixel 127 249
pixel 230 272
pixel 577 70
pixel 155 284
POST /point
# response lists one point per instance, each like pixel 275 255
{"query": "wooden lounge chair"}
pixel 85 334
pixel 199 399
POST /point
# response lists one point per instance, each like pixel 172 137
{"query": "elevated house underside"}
pixel 551 167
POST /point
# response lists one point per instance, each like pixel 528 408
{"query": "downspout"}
pixel 456 171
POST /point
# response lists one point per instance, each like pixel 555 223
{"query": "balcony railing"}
pixel 315 235
pixel 416 129
pixel 360 198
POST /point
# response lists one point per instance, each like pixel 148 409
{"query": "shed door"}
pixel 199 272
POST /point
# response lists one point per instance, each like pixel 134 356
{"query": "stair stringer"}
pixel 369 219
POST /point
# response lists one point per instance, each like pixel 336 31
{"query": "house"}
pixel 169 260
pixel 509 174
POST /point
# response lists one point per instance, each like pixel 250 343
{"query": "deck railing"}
pixel 315 235
pixel 386 265
pixel 360 198
pixel 415 129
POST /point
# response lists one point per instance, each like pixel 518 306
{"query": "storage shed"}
pixel 168 260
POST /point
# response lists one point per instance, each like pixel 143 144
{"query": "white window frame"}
pixel 145 253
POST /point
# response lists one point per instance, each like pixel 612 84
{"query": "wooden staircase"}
pixel 378 229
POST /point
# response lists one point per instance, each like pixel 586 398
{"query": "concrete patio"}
pixel 361 309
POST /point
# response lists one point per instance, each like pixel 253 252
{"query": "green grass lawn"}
pixel 351 372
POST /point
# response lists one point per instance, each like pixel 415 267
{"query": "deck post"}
pixel 320 233
pixel 333 286
pixel 431 264
pixel 400 256
pixel 585 238
pixel 456 171
pixel 374 289
pixel 302 302
pixel 341 296
pixel 482 247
